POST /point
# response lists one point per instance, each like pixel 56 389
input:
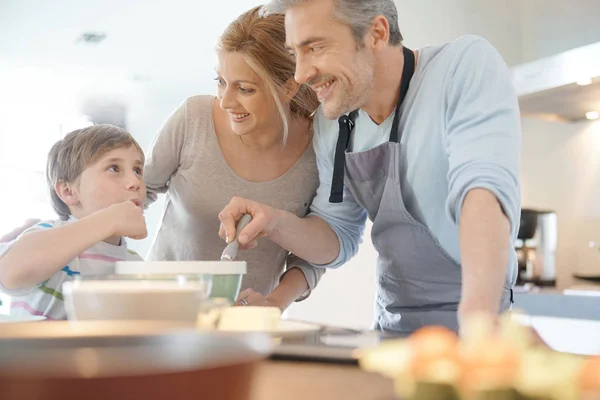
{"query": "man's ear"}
pixel 379 34
pixel 290 88
pixel 67 193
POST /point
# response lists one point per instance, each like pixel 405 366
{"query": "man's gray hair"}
pixel 357 14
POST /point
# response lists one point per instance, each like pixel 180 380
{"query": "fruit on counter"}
pixel 549 375
pixel 435 391
pixel 434 355
pixel 589 379
pixel 491 360
pixel 488 364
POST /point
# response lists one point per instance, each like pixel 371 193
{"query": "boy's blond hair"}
pixel 79 149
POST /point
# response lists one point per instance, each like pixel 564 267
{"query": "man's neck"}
pixel 389 66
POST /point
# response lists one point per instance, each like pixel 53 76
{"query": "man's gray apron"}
pixel 418 283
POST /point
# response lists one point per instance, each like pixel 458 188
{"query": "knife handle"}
pixel 231 250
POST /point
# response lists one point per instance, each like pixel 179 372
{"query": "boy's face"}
pixel 116 177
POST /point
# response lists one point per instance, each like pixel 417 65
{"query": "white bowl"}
pixel 133 300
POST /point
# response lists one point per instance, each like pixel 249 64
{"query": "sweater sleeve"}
pixel 483 135
pixel 165 155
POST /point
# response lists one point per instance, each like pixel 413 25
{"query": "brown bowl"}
pixel 125 360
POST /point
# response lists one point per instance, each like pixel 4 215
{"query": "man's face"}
pixel 327 57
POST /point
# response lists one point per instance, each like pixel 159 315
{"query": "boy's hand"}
pixel 127 219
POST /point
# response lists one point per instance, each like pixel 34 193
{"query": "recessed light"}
pixel 584 81
pixel 591 115
pixel 140 77
pixel 92 37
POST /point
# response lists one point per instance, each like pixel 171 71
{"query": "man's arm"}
pixel 483 145
pixel 484 247
pixel 328 237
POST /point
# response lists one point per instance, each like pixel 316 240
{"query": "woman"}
pixel 253 140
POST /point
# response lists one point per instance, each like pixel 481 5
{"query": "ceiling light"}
pixel 91 37
pixel 140 77
pixel 584 81
pixel 592 115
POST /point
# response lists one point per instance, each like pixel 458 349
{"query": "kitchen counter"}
pixel 276 380
pixel 573 305
pixel 577 336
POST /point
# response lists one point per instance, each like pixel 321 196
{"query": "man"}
pixel 427 146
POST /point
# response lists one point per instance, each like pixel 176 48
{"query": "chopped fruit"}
pixel 590 377
pixel 434 355
pixel 491 363
pixel 435 391
pixel 389 358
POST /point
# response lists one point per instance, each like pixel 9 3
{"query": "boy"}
pixel 97 189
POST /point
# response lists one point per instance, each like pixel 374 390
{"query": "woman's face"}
pixel 243 95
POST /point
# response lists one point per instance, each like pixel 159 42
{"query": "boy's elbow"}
pixel 9 276
pixel 15 272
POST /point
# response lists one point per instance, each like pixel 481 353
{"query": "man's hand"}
pixel 309 238
pixel 264 221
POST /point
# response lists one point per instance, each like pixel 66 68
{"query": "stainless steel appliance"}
pixel 536 247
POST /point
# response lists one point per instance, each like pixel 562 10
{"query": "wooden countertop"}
pixel 277 380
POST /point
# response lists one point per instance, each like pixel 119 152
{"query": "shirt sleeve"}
pixel 165 154
pixel 347 219
pixel 311 273
pixel 5 247
pixel 133 256
pixel 483 135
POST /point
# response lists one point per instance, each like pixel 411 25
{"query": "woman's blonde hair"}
pixel 261 39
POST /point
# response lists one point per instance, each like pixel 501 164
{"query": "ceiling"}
pixel 148 43
pixel 567 103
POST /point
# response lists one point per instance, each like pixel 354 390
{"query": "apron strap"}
pixel 407 74
pixel 346 124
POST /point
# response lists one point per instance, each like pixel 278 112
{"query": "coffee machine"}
pixel 536 247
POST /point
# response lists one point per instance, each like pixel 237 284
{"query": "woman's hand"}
pixel 249 297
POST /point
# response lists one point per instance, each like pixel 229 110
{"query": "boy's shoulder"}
pixel 45 224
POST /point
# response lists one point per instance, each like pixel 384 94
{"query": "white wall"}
pixel 560 171
pixel 427 22
pixel 561 162
pixel 553 26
